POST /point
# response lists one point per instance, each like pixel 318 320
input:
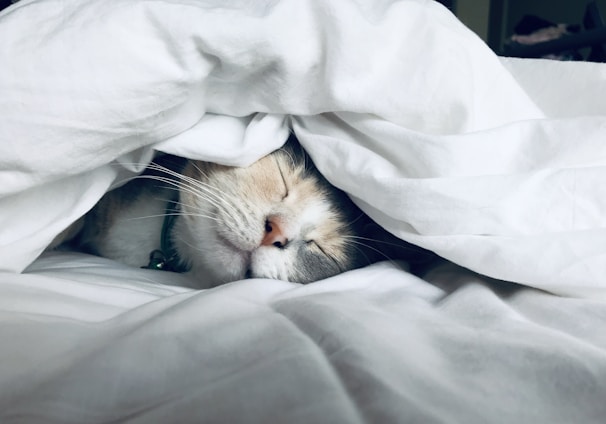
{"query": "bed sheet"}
pixel 88 341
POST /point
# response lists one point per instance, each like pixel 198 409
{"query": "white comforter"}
pixel 498 165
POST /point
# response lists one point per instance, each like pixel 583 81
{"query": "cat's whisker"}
pixel 193 186
pixel 141 165
pixel 209 193
pixel 163 215
pixel 209 215
pixel 360 216
pixel 177 175
pixel 235 218
pixel 185 188
pixel 331 257
pixel 360 250
pixel 200 170
pixel 387 243
pixel 217 203
pixel 198 188
pixel 221 203
pixel 192 246
pixel 205 195
pixel 180 211
pixel 192 182
pixel 355 243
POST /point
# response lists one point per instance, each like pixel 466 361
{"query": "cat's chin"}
pixel 227 263
pixel 269 262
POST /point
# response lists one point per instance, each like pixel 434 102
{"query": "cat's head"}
pixel 278 218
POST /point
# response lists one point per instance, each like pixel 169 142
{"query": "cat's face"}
pixel 277 219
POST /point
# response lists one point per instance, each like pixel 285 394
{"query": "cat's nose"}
pixel 274 233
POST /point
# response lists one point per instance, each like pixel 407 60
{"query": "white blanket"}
pixel 496 164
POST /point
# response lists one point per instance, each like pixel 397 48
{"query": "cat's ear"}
pixel 383 245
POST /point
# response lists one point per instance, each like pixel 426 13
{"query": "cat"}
pixel 279 218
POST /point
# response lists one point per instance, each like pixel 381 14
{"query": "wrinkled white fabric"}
pixel 90 341
pixel 495 164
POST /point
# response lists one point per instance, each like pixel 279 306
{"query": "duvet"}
pixel 497 165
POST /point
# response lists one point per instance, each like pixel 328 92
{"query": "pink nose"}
pixel 274 234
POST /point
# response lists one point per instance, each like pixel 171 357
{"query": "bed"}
pixel 498 165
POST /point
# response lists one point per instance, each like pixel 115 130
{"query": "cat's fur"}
pixel 278 218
